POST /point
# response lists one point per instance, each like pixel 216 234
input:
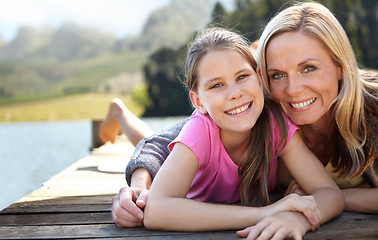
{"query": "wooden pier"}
pixel 76 204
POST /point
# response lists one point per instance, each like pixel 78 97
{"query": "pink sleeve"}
pixel 291 129
pixel 195 135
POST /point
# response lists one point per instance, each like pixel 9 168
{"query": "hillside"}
pixel 173 25
pixel 45 63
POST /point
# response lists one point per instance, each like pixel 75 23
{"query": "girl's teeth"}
pixel 239 110
pixel 302 104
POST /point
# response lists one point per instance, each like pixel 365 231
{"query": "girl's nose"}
pixel 235 92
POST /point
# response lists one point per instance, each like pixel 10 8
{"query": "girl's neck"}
pixel 235 144
pixel 317 137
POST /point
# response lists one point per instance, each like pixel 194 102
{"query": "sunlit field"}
pixel 82 106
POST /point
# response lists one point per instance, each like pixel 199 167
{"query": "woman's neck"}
pixel 317 137
pixel 235 144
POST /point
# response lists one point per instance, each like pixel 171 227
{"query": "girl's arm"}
pixel 312 177
pixel 168 208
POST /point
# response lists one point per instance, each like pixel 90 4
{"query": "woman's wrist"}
pixel 141 178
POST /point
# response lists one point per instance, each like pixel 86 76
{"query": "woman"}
pixel 341 131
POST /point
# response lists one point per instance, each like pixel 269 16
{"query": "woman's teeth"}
pixel 239 110
pixel 302 104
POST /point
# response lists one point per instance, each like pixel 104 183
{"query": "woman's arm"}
pixel 313 178
pixel 151 152
pixel 169 209
pixel 361 200
pixel 128 205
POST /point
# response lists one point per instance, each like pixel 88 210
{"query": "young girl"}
pixel 227 152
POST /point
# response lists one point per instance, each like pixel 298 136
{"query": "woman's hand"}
pixel 294 188
pixel 284 225
pixel 302 204
pixel 128 205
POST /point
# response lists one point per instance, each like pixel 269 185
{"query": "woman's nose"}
pixel 294 85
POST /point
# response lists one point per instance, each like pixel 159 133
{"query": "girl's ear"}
pixel 196 101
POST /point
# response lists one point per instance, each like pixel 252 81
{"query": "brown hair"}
pixel 254 166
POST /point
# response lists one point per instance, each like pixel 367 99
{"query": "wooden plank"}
pixel 363 229
pixel 45 219
pixel 76 204
pixel 102 231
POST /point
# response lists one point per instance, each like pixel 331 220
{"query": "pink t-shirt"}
pixel 217 179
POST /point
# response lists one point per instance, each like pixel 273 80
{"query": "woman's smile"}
pixel 303 104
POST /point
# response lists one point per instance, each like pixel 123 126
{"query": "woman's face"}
pixel 302 76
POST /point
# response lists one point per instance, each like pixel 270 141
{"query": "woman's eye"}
pixel 309 69
pixel 277 76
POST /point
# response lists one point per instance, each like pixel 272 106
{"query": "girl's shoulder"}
pixel 276 133
pixel 200 121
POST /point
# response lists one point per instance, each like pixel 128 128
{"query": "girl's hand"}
pixel 302 204
pixel 294 188
pixel 285 225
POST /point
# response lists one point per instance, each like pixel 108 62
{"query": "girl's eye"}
pixel 309 69
pixel 217 85
pixel 242 76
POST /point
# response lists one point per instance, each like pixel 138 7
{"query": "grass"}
pixel 76 107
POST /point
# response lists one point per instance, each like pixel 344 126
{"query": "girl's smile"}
pixel 238 110
pixel 229 90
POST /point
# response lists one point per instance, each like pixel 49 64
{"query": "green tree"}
pixel 218 16
pixel 163 72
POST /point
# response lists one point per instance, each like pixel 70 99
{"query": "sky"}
pixel 123 18
pixel 120 17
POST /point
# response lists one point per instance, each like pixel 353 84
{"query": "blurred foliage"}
pixel 358 17
pixel 166 93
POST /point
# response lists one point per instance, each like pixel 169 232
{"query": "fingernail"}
pixel 140 216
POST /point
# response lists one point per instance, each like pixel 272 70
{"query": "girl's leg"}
pixel 120 118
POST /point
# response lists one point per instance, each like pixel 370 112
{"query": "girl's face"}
pixel 302 76
pixel 229 90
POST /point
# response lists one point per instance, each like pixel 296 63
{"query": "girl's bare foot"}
pixel 120 118
pixel 110 127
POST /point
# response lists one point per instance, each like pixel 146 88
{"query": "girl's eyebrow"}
pixel 209 81
pixel 244 70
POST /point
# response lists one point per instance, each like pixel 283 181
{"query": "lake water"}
pixel 32 152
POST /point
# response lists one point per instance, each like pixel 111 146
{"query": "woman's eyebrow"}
pixel 306 61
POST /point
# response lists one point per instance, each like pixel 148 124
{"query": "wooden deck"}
pixel 76 204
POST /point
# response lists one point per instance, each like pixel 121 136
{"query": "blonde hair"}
pixel 254 166
pixel 351 135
